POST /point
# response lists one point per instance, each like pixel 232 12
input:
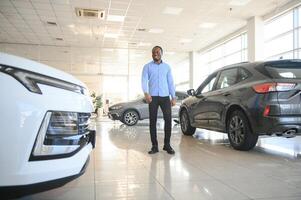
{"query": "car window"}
pixel 227 78
pixel 243 74
pixel 209 86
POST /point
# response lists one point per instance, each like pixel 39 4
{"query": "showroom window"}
pixel 232 51
pixel 181 75
pixel 282 36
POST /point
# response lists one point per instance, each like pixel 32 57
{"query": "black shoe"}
pixel 168 149
pixel 153 150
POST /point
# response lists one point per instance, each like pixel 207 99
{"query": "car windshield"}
pixel 284 70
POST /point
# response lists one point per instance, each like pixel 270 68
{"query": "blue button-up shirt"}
pixel 157 80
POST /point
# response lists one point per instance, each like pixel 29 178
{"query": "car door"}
pixel 221 97
pixel 199 107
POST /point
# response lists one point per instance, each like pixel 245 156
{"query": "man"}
pixel 158 86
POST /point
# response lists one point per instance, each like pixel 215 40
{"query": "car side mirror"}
pixel 191 92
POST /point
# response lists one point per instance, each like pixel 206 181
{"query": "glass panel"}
pixel 216 53
pixel 227 78
pixel 209 86
pixel 216 65
pixel 279 45
pixel 288 55
pixel 279 25
pixel 234 58
pixel 233 45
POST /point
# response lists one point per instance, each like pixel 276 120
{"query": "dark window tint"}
pixel 207 85
pixel 227 78
pixel 243 74
pixel 289 70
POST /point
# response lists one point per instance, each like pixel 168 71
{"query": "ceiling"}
pixel 26 22
pixel 93 47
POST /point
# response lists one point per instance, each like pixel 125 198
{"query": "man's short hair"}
pixel 155 47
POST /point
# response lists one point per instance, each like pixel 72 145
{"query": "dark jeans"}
pixel 165 105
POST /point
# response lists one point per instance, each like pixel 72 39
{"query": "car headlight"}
pixel 30 80
pixel 61 134
pixel 116 107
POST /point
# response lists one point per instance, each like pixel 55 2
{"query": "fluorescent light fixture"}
pixel 239 2
pixel 169 53
pixel 156 30
pixel 111 35
pixel 115 18
pixel 107 50
pixel 185 40
pixel 172 10
pixel 144 44
pixel 208 25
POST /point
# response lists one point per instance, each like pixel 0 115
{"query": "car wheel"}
pixel 186 128
pixel 239 132
pixel 130 118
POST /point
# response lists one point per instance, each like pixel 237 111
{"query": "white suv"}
pixel 45 136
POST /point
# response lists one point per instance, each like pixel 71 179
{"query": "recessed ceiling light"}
pixel 107 50
pixel 115 18
pixel 156 30
pixel 207 25
pixel 71 25
pixel 111 35
pixel 185 40
pixel 169 53
pixel 51 23
pixel 239 2
pixel 172 10
pixel 144 44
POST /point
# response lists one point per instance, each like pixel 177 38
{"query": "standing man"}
pixel 158 87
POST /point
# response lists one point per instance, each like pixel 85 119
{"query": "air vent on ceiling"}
pixel 90 13
pixel 141 29
pixel 51 23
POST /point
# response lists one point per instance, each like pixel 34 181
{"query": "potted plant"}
pixel 97 103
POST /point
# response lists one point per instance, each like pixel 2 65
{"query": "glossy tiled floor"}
pixel 204 167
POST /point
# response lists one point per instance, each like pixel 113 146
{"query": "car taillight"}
pixel 273 87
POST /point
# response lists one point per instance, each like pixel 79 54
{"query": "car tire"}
pixel 186 128
pixel 130 117
pixel 239 132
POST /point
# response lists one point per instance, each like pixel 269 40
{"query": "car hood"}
pixel 30 65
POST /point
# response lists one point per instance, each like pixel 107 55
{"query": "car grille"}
pixel 83 122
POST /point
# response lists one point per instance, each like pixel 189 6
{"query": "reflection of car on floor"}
pixel 45 138
pixel 131 112
pixel 247 100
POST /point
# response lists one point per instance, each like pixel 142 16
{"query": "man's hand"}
pixel 148 98
pixel 173 102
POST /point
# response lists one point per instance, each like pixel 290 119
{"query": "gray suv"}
pixel 131 112
pixel 247 100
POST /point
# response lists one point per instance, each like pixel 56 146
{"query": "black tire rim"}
pixel 184 121
pixel 236 130
pixel 130 118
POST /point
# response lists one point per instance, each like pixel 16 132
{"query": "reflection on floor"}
pixel 204 167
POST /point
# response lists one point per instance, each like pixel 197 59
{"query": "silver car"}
pixel 131 112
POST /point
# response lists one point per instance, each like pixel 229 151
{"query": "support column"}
pixel 255 39
pixel 192 65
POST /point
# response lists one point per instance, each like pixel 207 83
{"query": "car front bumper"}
pixel 114 115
